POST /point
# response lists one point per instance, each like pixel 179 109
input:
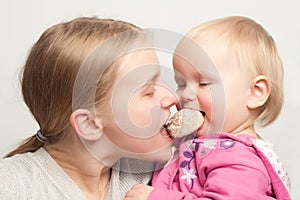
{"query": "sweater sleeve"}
pixel 234 182
pixel 234 173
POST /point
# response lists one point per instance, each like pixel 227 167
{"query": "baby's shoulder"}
pixel 221 142
pixel 222 147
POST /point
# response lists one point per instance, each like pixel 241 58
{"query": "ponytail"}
pixel 31 144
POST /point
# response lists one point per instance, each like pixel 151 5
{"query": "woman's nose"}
pixel 169 99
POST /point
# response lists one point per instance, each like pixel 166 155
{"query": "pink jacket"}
pixel 229 167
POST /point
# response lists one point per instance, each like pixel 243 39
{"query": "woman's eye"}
pixel 149 94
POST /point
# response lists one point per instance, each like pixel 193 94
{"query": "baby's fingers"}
pixel 138 192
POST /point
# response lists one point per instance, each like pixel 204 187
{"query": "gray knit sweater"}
pixel 36 176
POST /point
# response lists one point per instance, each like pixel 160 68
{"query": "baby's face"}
pixel 215 83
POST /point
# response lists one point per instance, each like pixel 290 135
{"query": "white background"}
pixel 22 22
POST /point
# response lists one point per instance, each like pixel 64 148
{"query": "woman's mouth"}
pixel 164 132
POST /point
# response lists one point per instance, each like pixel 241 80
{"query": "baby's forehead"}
pixel 183 68
pixel 196 61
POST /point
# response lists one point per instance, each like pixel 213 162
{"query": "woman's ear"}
pixel 259 92
pixel 86 125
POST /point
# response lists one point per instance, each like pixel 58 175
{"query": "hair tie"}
pixel 41 137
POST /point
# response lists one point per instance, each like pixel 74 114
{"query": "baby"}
pixel 240 85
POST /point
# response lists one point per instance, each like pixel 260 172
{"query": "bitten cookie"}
pixel 184 122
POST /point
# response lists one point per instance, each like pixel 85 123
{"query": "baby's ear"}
pixel 86 125
pixel 259 92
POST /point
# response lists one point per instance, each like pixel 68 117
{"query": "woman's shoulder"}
pixel 18 163
pixel 35 176
pixel 15 173
pixel 23 168
pixel 15 164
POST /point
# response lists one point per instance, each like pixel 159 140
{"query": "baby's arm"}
pixel 220 184
pixel 145 192
pixel 234 170
pixel 234 182
pixel 231 171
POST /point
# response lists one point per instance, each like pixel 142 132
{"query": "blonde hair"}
pixel 51 70
pixel 256 50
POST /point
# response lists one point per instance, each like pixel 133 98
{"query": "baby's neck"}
pixel 246 131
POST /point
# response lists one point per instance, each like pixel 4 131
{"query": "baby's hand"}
pixel 138 192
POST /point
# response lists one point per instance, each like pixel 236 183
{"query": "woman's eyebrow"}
pixel 152 79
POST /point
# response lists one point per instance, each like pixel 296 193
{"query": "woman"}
pixel 93 87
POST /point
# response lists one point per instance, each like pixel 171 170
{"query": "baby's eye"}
pixel 204 83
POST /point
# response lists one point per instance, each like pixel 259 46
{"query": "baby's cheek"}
pixel 205 102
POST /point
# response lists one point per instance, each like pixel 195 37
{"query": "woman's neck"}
pixel 90 175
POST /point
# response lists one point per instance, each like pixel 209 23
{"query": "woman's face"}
pixel 140 105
